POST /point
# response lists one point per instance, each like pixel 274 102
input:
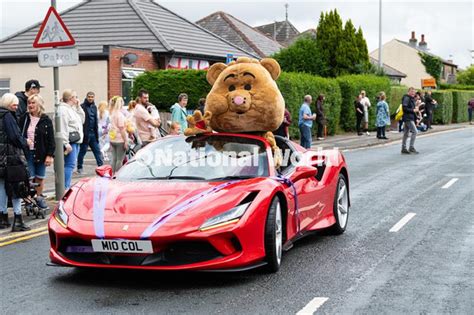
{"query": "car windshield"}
pixel 205 157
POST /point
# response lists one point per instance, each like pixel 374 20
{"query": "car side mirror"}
pixel 302 172
pixel 104 171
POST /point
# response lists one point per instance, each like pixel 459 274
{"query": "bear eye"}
pixel 231 88
pixel 248 87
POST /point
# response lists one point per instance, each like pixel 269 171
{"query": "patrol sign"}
pixel 58 57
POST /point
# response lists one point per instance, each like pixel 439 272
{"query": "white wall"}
pixel 87 76
pixel 405 59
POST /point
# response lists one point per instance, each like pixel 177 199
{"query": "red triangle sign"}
pixel 53 32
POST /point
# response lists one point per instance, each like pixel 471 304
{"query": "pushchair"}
pixel 30 204
pixel 134 144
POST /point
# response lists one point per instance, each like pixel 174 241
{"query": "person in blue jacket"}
pixel 178 111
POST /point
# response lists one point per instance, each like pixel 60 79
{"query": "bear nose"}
pixel 238 100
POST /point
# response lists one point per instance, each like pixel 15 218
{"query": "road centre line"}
pixel 312 306
pixel 402 222
pixel 24 238
pixel 450 183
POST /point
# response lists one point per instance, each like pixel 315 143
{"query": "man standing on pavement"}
pixel 366 103
pixel 144 119
pixel 429 107
pixel 91 133
pixel 409 117
pixel 305 122
pixel 32 87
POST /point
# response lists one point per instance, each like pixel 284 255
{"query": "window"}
pixel 128 78
pixel 4 86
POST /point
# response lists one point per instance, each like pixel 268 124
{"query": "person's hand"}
pixel 67 149
pixel 314 116
pixel 29 142
pixel 49 160
pixel 125 145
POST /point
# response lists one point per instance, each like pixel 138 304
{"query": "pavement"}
pixel 344 142
pixel 407 250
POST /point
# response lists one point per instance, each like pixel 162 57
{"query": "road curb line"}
pixel 23 238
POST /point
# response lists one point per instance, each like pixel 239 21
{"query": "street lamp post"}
pixel 380 35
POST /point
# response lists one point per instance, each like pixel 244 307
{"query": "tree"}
pixel 466 77
pixel 301 56
pixel 433 65
pixel 329 34
pixel 363 62
pixel 347 52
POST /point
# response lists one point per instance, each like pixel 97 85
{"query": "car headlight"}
pixel 231 216
pixel 60 215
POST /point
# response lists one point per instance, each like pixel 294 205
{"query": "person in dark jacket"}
pixel 37 129
pixel 430 104
pixel 409 118
pixel 32 87
pixel 320 119
pixel 12 145
pixel 283 130
pixel 359 108
pixel 91 133
pixel 202 105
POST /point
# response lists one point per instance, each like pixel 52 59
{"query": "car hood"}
pixel 145 201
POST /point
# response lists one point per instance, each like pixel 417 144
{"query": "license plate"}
pixel 122 246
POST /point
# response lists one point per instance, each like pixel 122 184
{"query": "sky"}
pixel 447 25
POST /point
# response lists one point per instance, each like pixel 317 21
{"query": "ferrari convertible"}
pixel 213 202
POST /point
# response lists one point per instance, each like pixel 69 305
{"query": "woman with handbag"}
pixel 13 171
pixel 37 128
pixel 72 117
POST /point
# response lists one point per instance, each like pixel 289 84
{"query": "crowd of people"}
pixel 112 128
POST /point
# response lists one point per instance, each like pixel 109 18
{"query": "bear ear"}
pixel 272 66
pixel 214 71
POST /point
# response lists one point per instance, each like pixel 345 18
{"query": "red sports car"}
pixel 208 202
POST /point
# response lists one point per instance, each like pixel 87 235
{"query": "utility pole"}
pixel 59 152
pixel 380 35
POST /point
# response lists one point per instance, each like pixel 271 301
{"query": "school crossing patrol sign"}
pixel 53 32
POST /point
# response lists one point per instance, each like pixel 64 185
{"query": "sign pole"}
pixel 59 152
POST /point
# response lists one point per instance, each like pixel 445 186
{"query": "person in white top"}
pixel 72 117
pixel 118 133
pixel 104 125
pixel 366 103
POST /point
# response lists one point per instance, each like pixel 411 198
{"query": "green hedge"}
pixel 460 100
pixel 461 87
pixel 294 86
pixel 351 86
pixel 443 113
pixel 394 98
pixel 164 86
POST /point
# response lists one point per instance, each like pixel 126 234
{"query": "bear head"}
pixel 244 96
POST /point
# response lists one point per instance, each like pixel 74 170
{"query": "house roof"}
pixel 283 31
pixel 390 71
pixel 240 33
pixel 427 52
pixel 136 23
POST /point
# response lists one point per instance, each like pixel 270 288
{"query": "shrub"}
pixel 443 113
pixel 460 100
pixel 394 98
pixel 445 86
pixel 351 86
pixel 164 86
pixel 294 86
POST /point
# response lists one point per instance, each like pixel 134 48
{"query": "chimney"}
pixel 423 45
pixel 412 40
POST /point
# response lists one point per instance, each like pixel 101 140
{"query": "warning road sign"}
pixel 53 32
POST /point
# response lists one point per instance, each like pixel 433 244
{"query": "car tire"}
pixel 274 236
pixel 341 206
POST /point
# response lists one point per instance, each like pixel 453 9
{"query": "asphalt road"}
pixel 424 268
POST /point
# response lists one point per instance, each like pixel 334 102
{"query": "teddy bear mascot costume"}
pixel 244 99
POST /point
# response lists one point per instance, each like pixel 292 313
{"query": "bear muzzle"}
pixel 239 103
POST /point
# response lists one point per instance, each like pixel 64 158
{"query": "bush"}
pixel 351 86
pixel 294 86
pixel 445 86
pixel 443 113
pixel 460 100
pixel 164 86
pixel 394 98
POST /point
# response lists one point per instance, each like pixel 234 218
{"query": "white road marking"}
pixel 402 222
pixel 450 183
pixel 312 306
